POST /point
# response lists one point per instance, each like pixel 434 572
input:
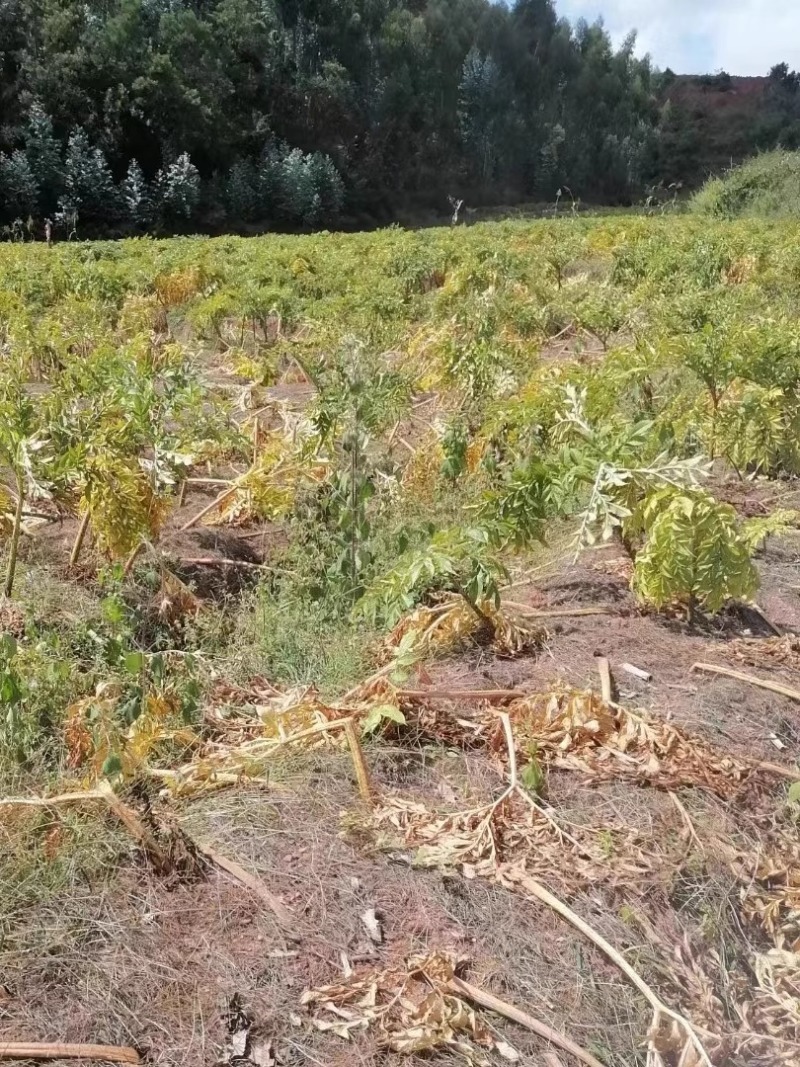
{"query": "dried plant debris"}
pixel 453 623
pixel 578 730
pixel 767 651
pixel 510 831
pixel 776 1001
pixel 575 729
pixel 411 1008
pixel 244 740
pixel 770 893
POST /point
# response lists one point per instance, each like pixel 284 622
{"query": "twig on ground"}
pixel 134 825
pixel 508 1011
pixel 46 1051
pixel 492 696
pixel 215 503
pixel 51 802
pixel 750 679
pixel 255 885
pixel 637 672
pixel 536 889
pixel 792 773
pixel 505 719
pixel 676 800
pixel 211 561
pixel 605 679
pixel 767 622
pixel 560 613
pixel 382 673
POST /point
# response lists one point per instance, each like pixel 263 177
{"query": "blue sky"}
pixel 701 36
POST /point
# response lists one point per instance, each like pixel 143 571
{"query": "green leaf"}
pixel 112 766
pixel 393 713
pixel 8 646
pixel 793 796
pixel 532 776
pixel 133 662
pixel 378 714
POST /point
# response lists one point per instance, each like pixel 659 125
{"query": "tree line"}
pixel 139 115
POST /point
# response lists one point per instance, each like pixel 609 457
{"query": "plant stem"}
pixel 486 624
pixel 13 550
pixel 354 517
pixel 79 539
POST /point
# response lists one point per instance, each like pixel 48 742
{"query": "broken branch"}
pixel 255 885
pixel 537 890
pixel 134 825
pixel 51 802
pixel 605 679
pixel 493 696
pixel 359 763
pixel 637 672
pixel 215 503
pixel 508 1011
pixel 560 613
pixel 750 679
pixel 10 1050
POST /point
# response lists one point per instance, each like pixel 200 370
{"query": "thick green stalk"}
pixel 14 549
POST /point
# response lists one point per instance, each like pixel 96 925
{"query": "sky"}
pixel 702 36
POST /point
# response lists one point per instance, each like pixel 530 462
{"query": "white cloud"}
pixel 701 36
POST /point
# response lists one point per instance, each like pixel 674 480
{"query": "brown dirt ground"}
pixel 130 960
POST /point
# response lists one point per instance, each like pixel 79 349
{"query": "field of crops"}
pixel 362 592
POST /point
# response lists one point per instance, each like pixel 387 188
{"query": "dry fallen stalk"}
pixel 551 1060
pixel 255 885
pixel 537 890
pixel 134 825
pixel 46 1051
pixel 762 683
pixel 637 672
pixel 508 1011
pixel 215 503
pixel 211 561
pixel 605 679
pixel 505 719
pixel 560 613
pixel 676 800
pixel 792 773
pixel 51 802
pixel 492 696
pixel 359 763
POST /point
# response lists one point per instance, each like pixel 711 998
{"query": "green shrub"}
pixel 767 186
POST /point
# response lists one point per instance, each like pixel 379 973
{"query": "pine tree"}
pixel 309 187
pixel 241 194
pixel 329 188
pixel 296 187
pixel 43 153
pixel 479 114
pixel 89 190
pixel 18 187
pixel 178 188
pixel 137 197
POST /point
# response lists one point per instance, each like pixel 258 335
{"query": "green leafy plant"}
pixel 382 713
pixel 455 560
pixel 23 448
pixel 757 530
pixel 695 552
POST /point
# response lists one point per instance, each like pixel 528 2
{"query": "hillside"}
pixel 711 122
